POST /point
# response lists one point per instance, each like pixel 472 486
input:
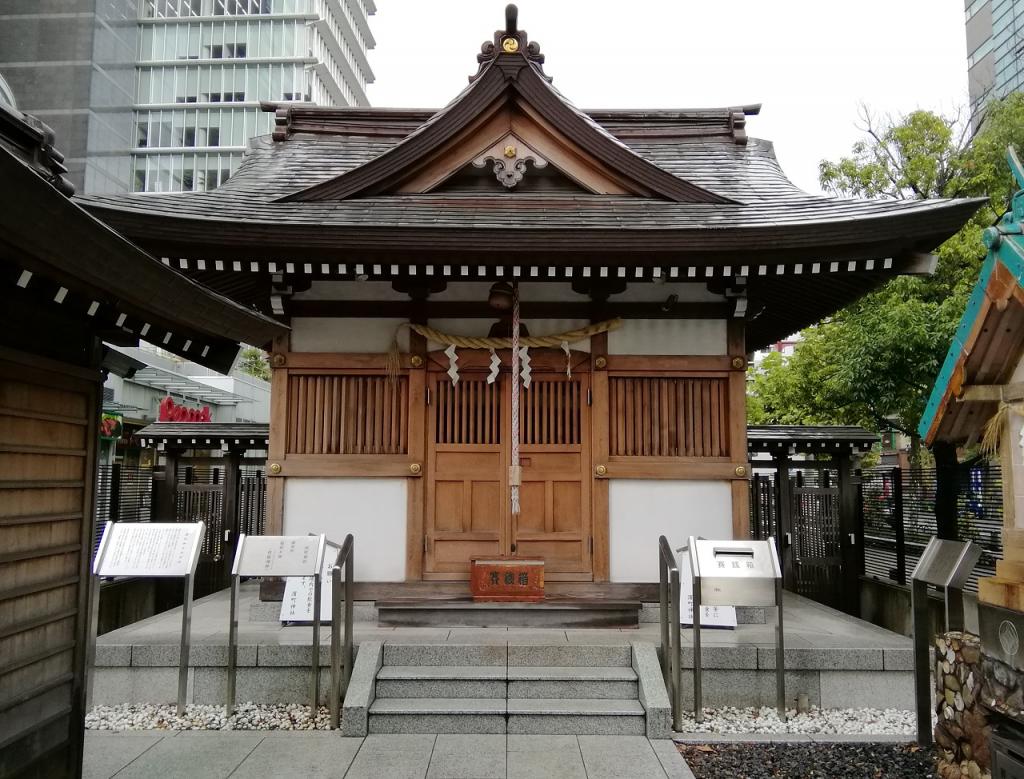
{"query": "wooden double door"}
pixel 469 448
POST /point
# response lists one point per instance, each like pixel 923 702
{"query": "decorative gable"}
pixel 511 118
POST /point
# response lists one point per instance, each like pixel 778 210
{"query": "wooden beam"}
pixel 737 426
pixel 674 468
pixel 989 393
pixel 392 309
pixel 599 421
pixel 278 433
pixel 347 465
pixel 417 448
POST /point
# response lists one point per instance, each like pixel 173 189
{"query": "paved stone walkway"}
pixel 253 755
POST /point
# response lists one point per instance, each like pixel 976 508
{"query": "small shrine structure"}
pixel 519 327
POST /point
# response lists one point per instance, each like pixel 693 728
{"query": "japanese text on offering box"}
pixel 149 549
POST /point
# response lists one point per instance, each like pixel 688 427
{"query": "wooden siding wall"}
pixel 347 414
pixel 47 458
pixel 668 417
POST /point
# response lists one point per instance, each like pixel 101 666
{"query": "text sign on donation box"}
pixel 297 605
pixel 710 616
pixel 149 549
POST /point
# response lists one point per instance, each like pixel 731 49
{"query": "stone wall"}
pixel 962 731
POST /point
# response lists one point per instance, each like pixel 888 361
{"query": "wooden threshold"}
pixel 273 590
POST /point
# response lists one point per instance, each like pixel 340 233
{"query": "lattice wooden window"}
pixel 468 412
pixel 339 414
pixel 550 412
pixel 668 417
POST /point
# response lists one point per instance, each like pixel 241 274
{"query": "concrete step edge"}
pixel 442 672
pixel 575 707
pixel 439 706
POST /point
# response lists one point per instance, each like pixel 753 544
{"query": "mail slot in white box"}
pixel 735 573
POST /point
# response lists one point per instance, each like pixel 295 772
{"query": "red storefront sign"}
pixel 171 412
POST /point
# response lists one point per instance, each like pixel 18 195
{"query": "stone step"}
pixel 551 613
pixel 437 715
pixel 584 716
pixel 572 682
pixel 441 681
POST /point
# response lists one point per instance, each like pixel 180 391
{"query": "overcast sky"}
pixel 809 62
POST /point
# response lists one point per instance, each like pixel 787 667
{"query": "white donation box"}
pixel 736 573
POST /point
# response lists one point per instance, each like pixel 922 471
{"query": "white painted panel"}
pixel 360 335
pixel 480 327
pixel 669 336
pixel 641 510
pixel 372 510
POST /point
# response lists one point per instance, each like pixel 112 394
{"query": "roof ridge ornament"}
pixel 510 41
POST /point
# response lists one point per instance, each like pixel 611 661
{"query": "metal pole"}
pixel 349 608
pixel 780 656
pixel 954 609
pixel 315 692
pixel 666 658
pixel 94 623
pixel 232 646
pixel 677 653
pixel 335 648
pixel 186 644
pixel 698 696
pixel 922 676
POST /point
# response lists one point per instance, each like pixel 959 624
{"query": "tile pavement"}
pixel 254 755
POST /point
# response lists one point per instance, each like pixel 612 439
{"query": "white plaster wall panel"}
pixel 641 510
pixel 669 337
pixel 372 510
pixel 361 335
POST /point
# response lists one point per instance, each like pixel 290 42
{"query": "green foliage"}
pixel 254 362
pixel 874 363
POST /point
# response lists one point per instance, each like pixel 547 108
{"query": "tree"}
pixel 874 362
pixel 254 362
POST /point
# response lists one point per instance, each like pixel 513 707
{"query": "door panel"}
pixel 465 489
pixel 468 509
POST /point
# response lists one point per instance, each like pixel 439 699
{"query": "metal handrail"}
pixel 341 654
pixel 671 651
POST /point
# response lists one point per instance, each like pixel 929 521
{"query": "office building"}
pixel 995 48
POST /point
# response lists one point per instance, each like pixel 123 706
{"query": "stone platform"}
pixel 836 660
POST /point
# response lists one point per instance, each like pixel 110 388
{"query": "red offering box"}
pixel 507 579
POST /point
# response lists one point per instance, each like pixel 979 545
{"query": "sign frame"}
pixel 103 567
pixel 243 566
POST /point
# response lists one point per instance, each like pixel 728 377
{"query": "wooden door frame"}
pixel 542 361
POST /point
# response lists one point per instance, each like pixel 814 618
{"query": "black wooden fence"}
pixel 898 509
pixel 124 493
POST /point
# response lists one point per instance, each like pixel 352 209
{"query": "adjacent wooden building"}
pixel 669 238
pixel 67 283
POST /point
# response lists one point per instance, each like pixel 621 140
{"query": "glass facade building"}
pixel 995 50
pixel 205 65
pixel 171 94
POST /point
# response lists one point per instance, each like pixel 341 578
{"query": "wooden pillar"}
pixel 784 496
pixel 738 428
pixel 599 420
pixel 851 535
pixel 232 468
pixel 416 490
pixel 947 488
pixel 277 447
pixel 167 489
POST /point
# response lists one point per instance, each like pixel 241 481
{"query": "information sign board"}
pixel 277 555
pixel 149 549
pixel 297 605
pixel 947 563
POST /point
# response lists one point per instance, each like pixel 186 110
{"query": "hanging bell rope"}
pixel 514 471
pixel 393 362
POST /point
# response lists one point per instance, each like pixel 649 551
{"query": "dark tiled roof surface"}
pixel 762 438
pixel 203 431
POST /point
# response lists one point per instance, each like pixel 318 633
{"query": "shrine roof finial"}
pixel 509 42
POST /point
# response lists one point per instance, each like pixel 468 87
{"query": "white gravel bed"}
pixel 247 716
pixel 822 721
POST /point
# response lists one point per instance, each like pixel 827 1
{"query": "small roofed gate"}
pixel 810 506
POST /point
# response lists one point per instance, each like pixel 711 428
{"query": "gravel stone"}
pixel 810 761
pixel 893 722
pixel 247 716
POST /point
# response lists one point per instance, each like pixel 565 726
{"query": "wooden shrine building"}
pixel 650 250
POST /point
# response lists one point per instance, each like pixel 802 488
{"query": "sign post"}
pixel 946 565
pixel 152 549
pixel 277 556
